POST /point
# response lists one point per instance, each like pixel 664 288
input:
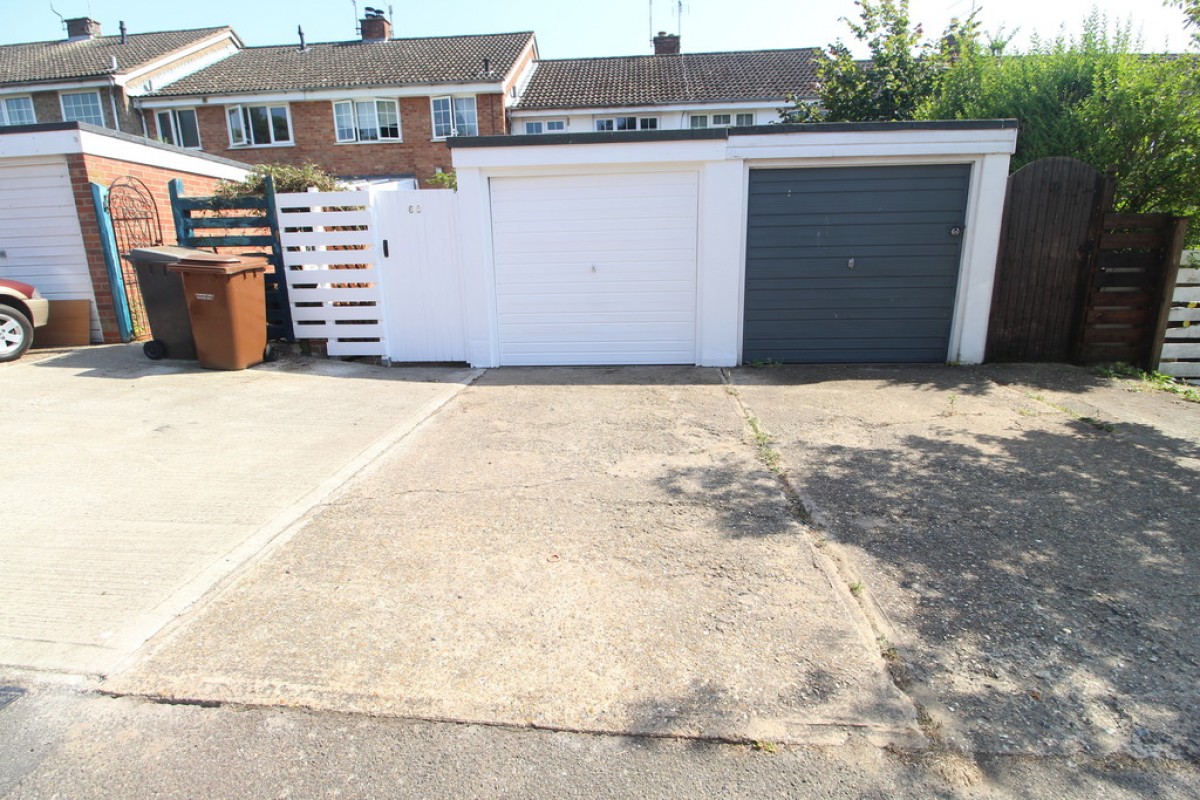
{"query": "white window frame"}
pixel 737 119
pixel 5 115
pixel 453 100
pixel 605 124
pixel 353 103
pixel 241 110
pixel 545 126
pixel 709 119
pixel 172 115
pixel 62 104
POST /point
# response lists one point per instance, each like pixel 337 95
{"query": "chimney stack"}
pixel 82 28
pixel 666 44
pixel 375 26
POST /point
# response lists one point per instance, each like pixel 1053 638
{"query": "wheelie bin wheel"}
pixel 154 349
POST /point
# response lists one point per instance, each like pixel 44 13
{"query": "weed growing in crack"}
pixel 857 588
pixel 764 746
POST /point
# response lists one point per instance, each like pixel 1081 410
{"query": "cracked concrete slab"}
pixel 140 484
pixel 577 549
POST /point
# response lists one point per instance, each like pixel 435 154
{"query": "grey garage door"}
pixel 853 264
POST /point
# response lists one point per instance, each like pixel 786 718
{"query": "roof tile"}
pixel 335 65
pixel 681 78
pixel 64 60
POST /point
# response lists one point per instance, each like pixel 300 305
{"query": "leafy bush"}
pixel 288 178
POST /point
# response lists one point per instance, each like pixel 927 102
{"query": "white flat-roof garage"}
pixel 793 243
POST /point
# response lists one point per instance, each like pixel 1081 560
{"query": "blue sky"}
pixel 568 29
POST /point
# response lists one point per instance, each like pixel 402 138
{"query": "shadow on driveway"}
pixel 1040 568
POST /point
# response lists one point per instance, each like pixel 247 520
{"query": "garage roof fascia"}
pixel 873 140
pixel 611 137
pixel 71 138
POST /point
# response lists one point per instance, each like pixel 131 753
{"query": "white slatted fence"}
pixel 1181 345
pixel 333 268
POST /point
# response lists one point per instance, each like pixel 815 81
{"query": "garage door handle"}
pixel 385 248
pixel 850 264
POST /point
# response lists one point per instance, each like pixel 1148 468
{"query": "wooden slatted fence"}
pixel 1129 289
pixel 332 268
pixel 1181 337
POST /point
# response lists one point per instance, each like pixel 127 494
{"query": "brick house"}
pixel 664 91
pixel 93 79
pixel 378 107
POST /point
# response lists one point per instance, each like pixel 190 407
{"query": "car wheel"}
pixel 16 333
pixel 154 349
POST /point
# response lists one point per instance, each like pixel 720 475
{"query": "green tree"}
pixel 1095 98
pixel 901 73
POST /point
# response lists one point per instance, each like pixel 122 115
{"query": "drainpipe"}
pixel 112 99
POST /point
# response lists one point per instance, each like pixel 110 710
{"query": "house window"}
pixel 548 126
pixel 17 111
pixel 627 124
pixel 83 107
pixel 720 120
pixel 367 121
pixel 258 125
pixel 179 127
pixel 454 116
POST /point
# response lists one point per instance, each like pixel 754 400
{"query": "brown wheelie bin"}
pixel 228 309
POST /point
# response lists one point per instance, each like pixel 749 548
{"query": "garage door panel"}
pixel 869 173
pixel 596 269
pixel 805 300
pixel 851 235
pixel 824 313
pixel 848 298
pixel 846 329
pixel 861 251
pixel 617 331
pixel 855 202
pixel 872 267
pixel 599 223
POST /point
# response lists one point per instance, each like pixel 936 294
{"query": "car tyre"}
pixel 16 333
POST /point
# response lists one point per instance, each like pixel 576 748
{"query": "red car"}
pixel 22 308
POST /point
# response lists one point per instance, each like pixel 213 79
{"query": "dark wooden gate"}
pixel 1074 281
pixel 1050 224
pixel 136 223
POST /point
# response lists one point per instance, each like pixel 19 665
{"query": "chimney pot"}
pixel 666 44
pixel 375 28
pixel 82 28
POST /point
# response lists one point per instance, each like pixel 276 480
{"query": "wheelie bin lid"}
pixel 224 265
pixel 172 254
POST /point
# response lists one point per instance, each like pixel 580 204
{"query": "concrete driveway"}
pixel 132 487
pixel 575 549
pixel 992 561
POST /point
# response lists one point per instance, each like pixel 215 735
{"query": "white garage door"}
pixel 596 269
pixel 39 231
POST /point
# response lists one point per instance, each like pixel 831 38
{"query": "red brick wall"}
pixel 85 169
pixel 315 139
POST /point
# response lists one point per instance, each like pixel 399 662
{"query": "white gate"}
pixel 422 287
pixel 375 273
